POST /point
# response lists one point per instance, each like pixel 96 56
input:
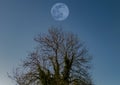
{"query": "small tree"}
pixel 59 59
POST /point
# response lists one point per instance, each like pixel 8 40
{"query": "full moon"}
pixel 60 11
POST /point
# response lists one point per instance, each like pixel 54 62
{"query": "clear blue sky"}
pixel 97 22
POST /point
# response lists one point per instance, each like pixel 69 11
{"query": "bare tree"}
pixel 59 59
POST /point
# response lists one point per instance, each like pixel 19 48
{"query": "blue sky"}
pixel 97 22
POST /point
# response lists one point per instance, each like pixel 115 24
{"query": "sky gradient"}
pixel 97 22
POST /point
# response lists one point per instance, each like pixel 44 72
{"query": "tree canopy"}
pixel 60 58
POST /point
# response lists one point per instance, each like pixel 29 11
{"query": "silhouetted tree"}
pixel 59 59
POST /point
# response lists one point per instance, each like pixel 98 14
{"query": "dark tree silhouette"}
pixel 59 59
